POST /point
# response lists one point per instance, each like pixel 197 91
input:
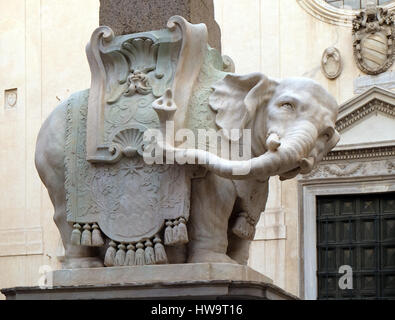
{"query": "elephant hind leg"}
pixel 75 256
pixel 49 160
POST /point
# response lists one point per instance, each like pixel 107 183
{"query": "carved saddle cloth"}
pixel 110 190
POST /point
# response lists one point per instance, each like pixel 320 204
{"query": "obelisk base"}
pixel 183 281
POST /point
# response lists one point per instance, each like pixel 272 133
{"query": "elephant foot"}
pixel 202 256
pixel 84 262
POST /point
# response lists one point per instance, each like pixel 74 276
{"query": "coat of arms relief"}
pixel 373 36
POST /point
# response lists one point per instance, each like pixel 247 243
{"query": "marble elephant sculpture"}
pixel 293 126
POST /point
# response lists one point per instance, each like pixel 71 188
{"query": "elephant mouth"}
pixel 305 166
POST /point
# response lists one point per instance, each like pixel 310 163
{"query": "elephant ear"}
pixel 237 97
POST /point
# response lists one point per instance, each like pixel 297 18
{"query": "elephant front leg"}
pixel 211 206
pixel 251 201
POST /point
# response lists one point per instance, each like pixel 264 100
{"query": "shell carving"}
pixel 142 54
pixel 130 141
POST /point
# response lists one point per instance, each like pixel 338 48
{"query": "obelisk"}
pixel 131 16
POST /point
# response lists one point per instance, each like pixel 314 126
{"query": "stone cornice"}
pixel 365 153
pixel 375 92
pixel 363 111
pixel 329 14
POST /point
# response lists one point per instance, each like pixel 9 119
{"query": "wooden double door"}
pixel 356 231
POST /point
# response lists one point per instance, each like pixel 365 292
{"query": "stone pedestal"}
pixel 132 16
pixel 184 281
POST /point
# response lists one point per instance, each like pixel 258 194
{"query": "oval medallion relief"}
pixel 331 63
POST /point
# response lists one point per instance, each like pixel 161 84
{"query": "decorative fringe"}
pixel 149 253
pixel 120 256
pixel 109 259
pixel 86 238
pixel 97 239
pixel 130 256
pixel 176 232
pixel 244 226
pixel 182 233
pixel 139 257
pixel 160 253
pixel 169 233
pixel 76 234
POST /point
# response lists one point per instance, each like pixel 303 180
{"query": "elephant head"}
pixel 292 125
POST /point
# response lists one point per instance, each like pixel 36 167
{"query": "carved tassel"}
pixel 139 257
pixel 76 235
pixel 130 256
pixel 149 253
pixel 160 253
pixel 120 256
pixel 86 238
pixel 182 233
pixel 240 228
pixel 109 258
pixel 175 232
pixel 97 239
pixel 169 233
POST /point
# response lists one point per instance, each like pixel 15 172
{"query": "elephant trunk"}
pixel 290 155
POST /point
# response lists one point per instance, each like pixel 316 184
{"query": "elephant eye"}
pixel 288 106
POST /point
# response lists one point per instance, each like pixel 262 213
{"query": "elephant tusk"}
pixel 306 164
pixel 273 142
pixel 290 174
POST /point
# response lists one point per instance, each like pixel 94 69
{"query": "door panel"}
pixel 359 231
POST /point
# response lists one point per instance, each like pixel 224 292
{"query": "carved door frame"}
pixel 359 169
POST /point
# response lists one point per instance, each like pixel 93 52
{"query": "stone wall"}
pixel 43 60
